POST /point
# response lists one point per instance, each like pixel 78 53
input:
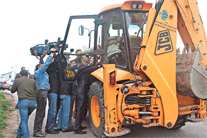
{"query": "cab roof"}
pixel 129 5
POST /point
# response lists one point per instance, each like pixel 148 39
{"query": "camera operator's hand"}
pixel 52 51
pixel 43 54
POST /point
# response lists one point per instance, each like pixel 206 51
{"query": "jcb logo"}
pixel 69 73
pixel 164 43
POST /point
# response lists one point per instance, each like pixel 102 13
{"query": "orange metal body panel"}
pixel 138 61
pixel 185 38
pixel 111 121
pixel 191 27
pixel 127 6
pixel 161 67
pixel 122 75
pixel 185 100
pixel 202 109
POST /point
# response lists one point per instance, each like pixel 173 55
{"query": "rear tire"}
pixel 96 109
pixel 180 122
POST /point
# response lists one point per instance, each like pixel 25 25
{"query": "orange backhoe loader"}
pixel 137 73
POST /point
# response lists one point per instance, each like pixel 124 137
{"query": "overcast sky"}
pixel 25 23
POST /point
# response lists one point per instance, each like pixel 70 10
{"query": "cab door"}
pixel 78 45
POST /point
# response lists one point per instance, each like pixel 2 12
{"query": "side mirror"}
pixel 81 30
pixel 71 50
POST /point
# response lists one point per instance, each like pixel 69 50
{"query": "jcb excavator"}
pixel 138 74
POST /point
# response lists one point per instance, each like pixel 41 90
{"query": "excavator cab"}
pixel 112 37
pixel 121 35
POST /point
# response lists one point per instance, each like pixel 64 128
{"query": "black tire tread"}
pixel 180 122
pixel 96 88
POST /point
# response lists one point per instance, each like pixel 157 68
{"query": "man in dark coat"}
pixel 53 94
pixel 81 96
pixel 65 96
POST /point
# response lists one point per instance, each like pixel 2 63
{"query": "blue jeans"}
pixel 51 118
pixel 64 111
pixel 26 107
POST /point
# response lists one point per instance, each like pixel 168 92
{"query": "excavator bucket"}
pixel 191 77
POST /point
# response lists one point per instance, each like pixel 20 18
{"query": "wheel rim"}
pixel 95 111
pixel 74 106
pixel 74 109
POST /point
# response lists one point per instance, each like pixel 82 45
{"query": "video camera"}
pixel 40 48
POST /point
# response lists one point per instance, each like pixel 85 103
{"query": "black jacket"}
pixel 53 78
pixel 65 87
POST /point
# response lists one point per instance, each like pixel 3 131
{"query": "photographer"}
pixel 53 94
pixel 43 83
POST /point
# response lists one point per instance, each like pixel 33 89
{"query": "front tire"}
pixel 96 108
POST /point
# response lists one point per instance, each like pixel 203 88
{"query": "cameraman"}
pixel 53 101
pixel 43 83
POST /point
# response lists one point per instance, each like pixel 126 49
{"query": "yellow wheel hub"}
pixel 95 111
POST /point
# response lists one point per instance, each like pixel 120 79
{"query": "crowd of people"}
pixel 48 85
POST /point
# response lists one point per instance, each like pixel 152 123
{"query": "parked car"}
pixel 6 84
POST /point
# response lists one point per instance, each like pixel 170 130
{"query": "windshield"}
pixel 112 43
pixel 111 36
pixel 135 22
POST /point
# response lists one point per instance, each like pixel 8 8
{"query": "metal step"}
pixel 123 131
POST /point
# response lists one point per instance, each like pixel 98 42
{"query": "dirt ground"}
pixel 13 118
